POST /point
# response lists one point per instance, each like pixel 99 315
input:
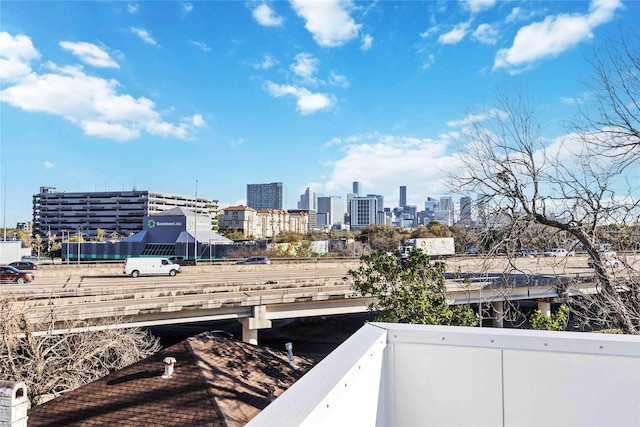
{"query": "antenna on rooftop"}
pixel 292 362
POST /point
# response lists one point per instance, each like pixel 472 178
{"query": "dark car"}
pixel 10 274
pixel 181 261
pixel 255 260
pixel 24 265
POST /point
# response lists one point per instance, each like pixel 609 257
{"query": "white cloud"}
pixel 201 45
pixel 428 62
pixel 338 80
pixel 90 54
pixel 143 34
pixel 515 15
pixel 187 7
pixel 92 103
pixel 266 63
pixel 197 120
pixel 16 53
pixel 305 66
pixel 486 33
pixel 132 8
pixel 307 102
pixel 384 162
pixel 554 35
pixel 477 118
pixel 266 16
pixel 430 31
pixel 456 35
pixel 367 41
pixel 328 21
pixel 476 6
pixel 48 165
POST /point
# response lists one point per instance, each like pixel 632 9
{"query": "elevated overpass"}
pixel 256 295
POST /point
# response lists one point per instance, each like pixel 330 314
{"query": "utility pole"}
pixel 195 227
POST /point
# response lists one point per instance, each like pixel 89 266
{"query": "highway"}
pixel 257 294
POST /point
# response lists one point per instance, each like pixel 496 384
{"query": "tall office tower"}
pixel 431 204
pixel 349 197
pixel 444 214
pixel 357 188
pixel 465 210
pixel 332 207
pixel 482 210
pixel 364 211
pixel 307 200
pixel 265 196
pixel 403 196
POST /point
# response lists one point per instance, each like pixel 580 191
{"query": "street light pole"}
pixel 79 237
pixel 195 227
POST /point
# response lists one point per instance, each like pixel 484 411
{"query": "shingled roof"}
pixel 216 382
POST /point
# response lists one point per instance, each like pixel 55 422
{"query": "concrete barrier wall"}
pixel 115 269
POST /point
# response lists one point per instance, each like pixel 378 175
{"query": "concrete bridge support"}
pixel 544 305
pixel 498 314
pixel 250 325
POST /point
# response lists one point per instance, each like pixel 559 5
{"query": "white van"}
pixel 135 267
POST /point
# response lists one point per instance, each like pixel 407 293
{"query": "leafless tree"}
pixel 610 117
pixel 527 181
pixel 52 363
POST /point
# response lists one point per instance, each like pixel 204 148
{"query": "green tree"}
pixel 414 292
pixel 235 234
pixel 556 322
pixel 288 237
pixel 382 237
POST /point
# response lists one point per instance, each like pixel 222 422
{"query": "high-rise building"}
pixel 332 207
pixel 403 196
pixel 265 196
pixel 307 200
pixel 482 210
pixel 444 213
pixel 350 196
pixel 122 212
pixel 364 211
pixel 357 188
pixel 465 211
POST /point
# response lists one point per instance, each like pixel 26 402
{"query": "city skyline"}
pixel 207 97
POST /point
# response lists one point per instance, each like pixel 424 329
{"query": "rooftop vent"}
pixel 169 363
pixel 292 362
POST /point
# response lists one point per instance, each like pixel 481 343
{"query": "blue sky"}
pixel 111 95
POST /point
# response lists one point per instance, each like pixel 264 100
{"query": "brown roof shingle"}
pixel 216 382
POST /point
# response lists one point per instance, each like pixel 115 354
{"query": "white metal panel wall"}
pixel 342 390
pixel 416 375
pixel 445 386
pixel 544 388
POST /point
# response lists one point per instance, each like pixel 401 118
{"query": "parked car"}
pixel 181 261
pixel 558 252
pixel 525 253
pixel 10 274
pixel 609 259
pixel 255 260
pixel 24 265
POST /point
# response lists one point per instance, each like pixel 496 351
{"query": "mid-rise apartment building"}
pixel 265 196
pixel 265 223
pixel 58 212
pixel 368 210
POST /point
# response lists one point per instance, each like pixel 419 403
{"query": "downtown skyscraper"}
pixel 265 196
